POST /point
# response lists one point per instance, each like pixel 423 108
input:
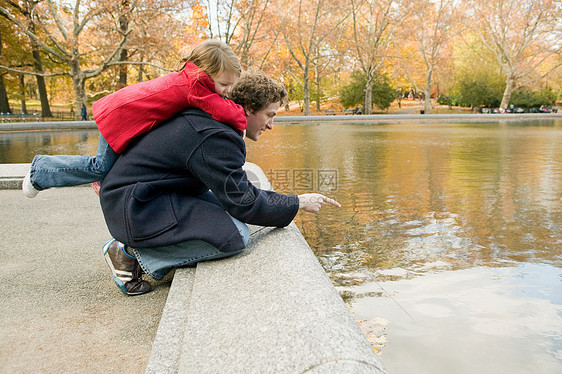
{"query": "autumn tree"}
pixel 307 25
pixel 7 37
pixel 63 26
pixel 477 80
pixel 373 25
pixel 152 47
pixel 27 10
pixel 15 53
pixel 430 27
pixel 71 33
pixel 382 93
pixel 522 36
pixel 245 25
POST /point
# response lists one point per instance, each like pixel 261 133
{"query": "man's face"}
pixel 260 120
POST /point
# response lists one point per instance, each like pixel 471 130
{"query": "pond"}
pixel 448 245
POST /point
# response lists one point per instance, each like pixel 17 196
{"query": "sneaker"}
pixel 27 187
pixel 125 268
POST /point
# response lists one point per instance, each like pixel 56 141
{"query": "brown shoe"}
pixel 125 268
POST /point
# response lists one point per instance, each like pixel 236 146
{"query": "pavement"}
pixel 270 309
pixel 61 311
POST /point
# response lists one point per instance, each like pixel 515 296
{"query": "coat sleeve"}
pixel 218 164
pixel 221 109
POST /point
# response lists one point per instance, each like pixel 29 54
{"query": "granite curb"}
pixel 271 309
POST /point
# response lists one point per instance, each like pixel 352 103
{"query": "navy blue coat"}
pixel 157 193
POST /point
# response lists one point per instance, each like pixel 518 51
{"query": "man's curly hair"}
pixel 254 91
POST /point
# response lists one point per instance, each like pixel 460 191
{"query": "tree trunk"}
pixel 4 103
pixel 122 70
pixel 317 89
pixel 78 80
pixel 27 11
pixel 368 97
pixel 317 94
pixel 509 85
pixel 427 101
pixel 42 88
pixel 368 102
pixel 141 68
pixel 124 25
pixel 306 90
pixel 427 94
pixel 22 94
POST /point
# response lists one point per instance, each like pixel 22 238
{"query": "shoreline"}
pixel 281 119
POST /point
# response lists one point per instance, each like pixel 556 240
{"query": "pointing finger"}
pixel 327 200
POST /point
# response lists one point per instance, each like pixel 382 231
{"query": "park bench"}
pixel 352 111
pixel 10 117
pixel 330 112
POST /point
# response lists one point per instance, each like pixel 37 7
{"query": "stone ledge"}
pixel 11 175
pixel 271 309
pixel 48 126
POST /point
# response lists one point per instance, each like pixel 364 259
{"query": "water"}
pixel 448 247
pixel 20 147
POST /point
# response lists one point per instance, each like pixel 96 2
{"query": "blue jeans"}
pixel 65 171
pixel 159 261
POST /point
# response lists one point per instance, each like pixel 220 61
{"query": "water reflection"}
pixel 462 195
pixel 20 147
pixel 448 247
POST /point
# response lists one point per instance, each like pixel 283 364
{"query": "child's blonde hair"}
pixel 213 57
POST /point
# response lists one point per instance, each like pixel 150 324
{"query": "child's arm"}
pixel 218 107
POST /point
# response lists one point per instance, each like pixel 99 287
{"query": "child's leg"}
pixel 66 171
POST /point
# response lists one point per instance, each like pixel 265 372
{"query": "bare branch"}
pixel 32 73
pixel 269 50
pixel 139 63
pixel 5 13
pixel 58 21
pixel 401 59
pixel 109 60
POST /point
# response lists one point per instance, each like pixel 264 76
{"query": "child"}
pixel 202 79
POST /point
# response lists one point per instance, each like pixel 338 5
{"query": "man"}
pixel 178 195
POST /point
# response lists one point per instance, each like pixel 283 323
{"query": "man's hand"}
pixel 312 202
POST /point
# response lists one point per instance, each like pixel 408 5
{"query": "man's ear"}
pixel 248 111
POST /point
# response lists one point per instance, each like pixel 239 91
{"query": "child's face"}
pixel 224 82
